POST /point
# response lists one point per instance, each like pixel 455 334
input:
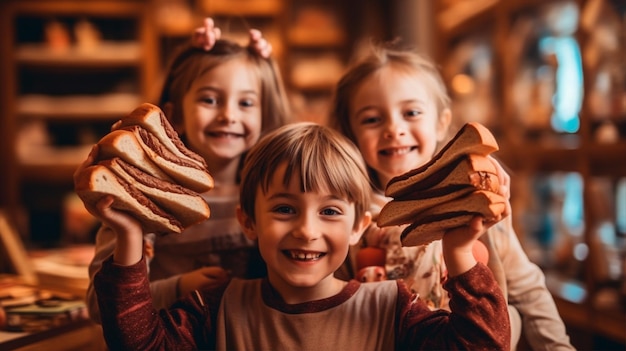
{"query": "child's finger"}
pixel 260 45
pixel 503 177
pixel 205 36
pixel 255 35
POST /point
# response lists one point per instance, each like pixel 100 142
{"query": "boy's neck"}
pixel 328 287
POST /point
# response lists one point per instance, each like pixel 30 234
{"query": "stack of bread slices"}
pixel 459 183
pixel 149 172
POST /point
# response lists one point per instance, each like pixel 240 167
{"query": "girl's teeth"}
pixel 398 151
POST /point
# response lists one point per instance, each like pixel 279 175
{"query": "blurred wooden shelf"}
pixel 107 54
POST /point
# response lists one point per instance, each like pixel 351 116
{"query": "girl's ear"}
pixel 360 227
pixel 168 110
pixel 246 223
pixel 443 124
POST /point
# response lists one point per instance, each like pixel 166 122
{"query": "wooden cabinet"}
pixel 70 69
pixel 549 79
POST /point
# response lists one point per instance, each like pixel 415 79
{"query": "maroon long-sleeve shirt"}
pixel 249 314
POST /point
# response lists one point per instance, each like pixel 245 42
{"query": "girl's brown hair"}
pixel 191 62
pixel 322 157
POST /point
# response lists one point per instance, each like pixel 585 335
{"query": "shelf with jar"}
pixel 548 78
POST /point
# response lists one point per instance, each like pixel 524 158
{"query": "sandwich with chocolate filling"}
pixel 472 138
pixel 187 206
pixel 432 223
pixel 459 183
pixel 97 181
pixel 461 177
pixel 151 118
pixel 145 151
pixel 135 165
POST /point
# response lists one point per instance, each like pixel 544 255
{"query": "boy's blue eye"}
pixel 330 212
pixel 284 209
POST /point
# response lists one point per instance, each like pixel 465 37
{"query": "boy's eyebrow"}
pixel 279 195
pixel 293 196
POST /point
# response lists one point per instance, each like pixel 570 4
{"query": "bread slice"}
pixel 472 138
pixel 466 174
pixel 425 233
pixel 143 150
pixel 183 171
pixel 97 181
pixel 185 205
pixel 124 144
pixel 152 118
pixel 431 224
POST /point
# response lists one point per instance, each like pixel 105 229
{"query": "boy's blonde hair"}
pixel 382 56
pixel 323 158
pixel 191 62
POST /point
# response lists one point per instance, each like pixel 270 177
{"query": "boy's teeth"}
pixel 304 256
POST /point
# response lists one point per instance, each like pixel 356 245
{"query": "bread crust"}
pixel 431 224
pixel 97 181
pixel 464 175
pixel 149 172
pixel 459 183
pixel 152 118
pixel 185 205
pixel 472 138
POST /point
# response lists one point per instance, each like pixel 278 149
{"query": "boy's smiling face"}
pixel 302 236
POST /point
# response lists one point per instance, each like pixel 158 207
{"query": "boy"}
pixel 304 198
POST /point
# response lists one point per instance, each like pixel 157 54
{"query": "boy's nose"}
pixel 307 230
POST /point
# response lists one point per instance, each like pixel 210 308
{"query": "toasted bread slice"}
pixel 431 224
pixel 472 138
pixel 151 118
pixel 183 204
pixel 461 177
pixel 183 171
pixel 124 144
pixel 97 181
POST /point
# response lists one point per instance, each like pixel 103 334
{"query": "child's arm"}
pixel 457 246
pixel 478 320
pixel 542 325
